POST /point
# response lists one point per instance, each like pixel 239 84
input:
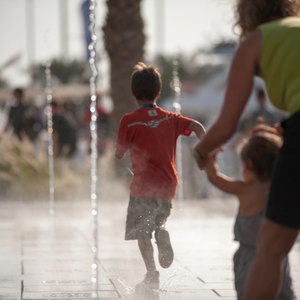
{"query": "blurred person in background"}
pixel 18 115
pixel 34 122
pixel 261 113
pixel 64 134
pixel 24 119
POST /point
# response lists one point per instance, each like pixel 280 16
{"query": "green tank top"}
pixel 280 62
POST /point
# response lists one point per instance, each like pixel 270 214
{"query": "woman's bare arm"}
pixel 240 82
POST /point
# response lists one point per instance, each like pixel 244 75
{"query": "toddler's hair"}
pixel 260 150
pixel 145 82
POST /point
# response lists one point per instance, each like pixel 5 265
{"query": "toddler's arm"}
pixel 220 180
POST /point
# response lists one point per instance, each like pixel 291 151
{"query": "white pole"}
pixel 160 26
pixel 64 27
pixel 30 31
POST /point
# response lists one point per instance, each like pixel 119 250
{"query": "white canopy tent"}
pixel 204 105
pixel 208 99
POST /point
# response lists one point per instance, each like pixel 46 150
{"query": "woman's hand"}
pixel 200 158
pixel 204 160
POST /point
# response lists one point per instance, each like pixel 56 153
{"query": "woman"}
pixel 269 47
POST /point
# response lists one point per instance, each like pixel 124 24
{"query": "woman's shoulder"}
pixel 277 28
pixel 250 47
pixel 253 38
pixel 290 21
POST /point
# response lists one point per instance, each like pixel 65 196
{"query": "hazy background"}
pixel 198 34
pixel 56 29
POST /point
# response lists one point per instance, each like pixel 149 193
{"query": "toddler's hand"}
pixel 278 128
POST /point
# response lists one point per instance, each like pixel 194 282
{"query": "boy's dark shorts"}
pixel 284 200
pixel 145 215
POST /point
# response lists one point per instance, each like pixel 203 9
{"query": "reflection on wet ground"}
pixel 50 257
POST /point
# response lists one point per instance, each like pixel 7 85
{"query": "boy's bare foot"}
pixel 151 281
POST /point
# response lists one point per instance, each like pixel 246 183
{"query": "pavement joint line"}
pixel 22 289
pixel 200 279
pixel 216 292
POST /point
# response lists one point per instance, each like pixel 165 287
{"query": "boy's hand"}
pixel 118 154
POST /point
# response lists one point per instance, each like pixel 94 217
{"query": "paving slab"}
pixel 202 237
pixel 50 257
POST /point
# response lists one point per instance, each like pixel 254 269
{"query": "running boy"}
pixel 257 154
pixel 149 135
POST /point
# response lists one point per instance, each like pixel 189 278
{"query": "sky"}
pixel 171 26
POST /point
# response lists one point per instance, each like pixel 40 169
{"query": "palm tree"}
pixel 124 42
pixel 64 71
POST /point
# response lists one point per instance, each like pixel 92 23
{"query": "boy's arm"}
pixel 121 142
pixel 118 154
pixel 120 149
pixel 198 128
pixel 220 180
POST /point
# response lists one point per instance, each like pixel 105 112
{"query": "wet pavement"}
pixel 50 257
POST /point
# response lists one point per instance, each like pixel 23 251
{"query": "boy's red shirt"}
pixel 149 134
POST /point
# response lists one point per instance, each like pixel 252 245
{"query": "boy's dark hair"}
pixel 259 153
pixel 145 82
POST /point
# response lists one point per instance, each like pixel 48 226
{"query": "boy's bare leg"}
pixel 275 242
pixel 146 249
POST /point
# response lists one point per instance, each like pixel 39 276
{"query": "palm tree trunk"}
pixel 124 42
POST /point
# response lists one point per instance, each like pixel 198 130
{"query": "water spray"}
pixel 49 98
pixel 176 87
pixel 93 145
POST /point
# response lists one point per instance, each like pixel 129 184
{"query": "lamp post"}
pixel 160 26
pixel 64 20
pixel 30 30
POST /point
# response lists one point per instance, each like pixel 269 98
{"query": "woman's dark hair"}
pixel 252 13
